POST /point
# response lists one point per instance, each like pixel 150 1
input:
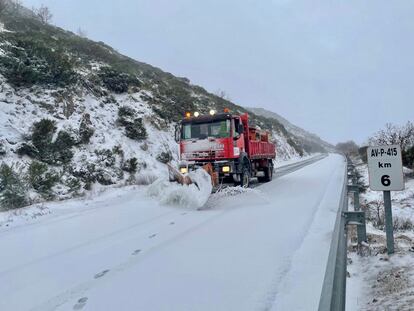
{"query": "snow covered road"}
pixel 264 249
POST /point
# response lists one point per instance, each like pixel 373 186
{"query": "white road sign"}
pixel 385 168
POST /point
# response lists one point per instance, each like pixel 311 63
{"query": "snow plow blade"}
pixel 176 176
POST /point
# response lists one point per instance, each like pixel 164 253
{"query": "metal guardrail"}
pixel 334 286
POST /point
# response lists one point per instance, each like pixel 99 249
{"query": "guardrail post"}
pixel 357 218
pixel 361 224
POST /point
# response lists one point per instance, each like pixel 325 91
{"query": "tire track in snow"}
pixel 82 288
pixel 88 243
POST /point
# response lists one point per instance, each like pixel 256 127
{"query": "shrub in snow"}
pixel 375 212
pixel 44 149
pixel 30 60
pixel 130 165
pixel 402 224
pixel 118 150
pixel 2 148
pixel 134 127
pixel 73 183
pixel 12 189
pixel 86 173
pixel 86 130
pixel 117 82
pixel 62 148
pixel 408 157
pixel 43 133
pixel 136 130
pixel 104 177
pixel 125 115
pixel 106 157
pixel 27 149
pixel 164 157
pixel 42 179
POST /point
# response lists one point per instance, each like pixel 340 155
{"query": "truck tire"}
pixel 268 173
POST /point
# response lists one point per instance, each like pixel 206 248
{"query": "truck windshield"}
pixel 218 129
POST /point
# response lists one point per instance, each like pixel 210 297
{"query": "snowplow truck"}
pixel 226 146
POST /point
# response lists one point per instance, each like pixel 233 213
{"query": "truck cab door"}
pixel 238 134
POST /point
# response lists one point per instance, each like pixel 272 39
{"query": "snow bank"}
pixel 193 196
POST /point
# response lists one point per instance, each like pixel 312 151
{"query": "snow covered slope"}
pixel 259 249
pixel 75 115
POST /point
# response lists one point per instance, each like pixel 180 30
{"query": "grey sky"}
pixel 341 69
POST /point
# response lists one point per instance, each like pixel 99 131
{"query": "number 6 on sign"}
pixel 385 168
pixel 385 180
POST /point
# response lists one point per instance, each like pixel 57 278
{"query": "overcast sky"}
pixel 341 69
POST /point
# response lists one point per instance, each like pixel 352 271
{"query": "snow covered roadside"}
pixel 378 281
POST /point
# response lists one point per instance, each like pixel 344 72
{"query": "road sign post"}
pixel 386 174
pixel 389 228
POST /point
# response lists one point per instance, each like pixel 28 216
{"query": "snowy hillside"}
pixel 75 115
pixel 309 141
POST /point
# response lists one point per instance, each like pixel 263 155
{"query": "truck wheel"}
pixel 268 174
pixel 245 178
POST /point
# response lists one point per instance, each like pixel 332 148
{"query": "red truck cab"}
pixel 236 150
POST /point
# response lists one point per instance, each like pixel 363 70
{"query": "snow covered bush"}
pixel 86 130
pixel 106 157
pixel 86 172
pixel 136 130
pixel 408 157
pixel 130 165
pixel 116 81
pixel 2 148
pixel 62 148
pixel 134 127
pixel 29 60
pixel 12 189
pixel 402 224
pixel 165 156
pixel 375 213
pixel 43 148
pixel 42 179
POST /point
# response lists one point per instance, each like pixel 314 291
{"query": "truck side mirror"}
pixel 240 130
pixel 177 133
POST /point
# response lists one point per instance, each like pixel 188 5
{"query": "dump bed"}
pixel 258 145
pixel 261 150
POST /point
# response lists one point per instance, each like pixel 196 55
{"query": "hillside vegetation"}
pixel 76 115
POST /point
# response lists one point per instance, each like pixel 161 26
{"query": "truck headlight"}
pixel 226 169
pixel 183 170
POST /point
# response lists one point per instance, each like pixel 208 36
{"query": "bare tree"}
pixel 395 135
pixel 15 5
pixel 222 94
pixel 82 33
pixel 3 5
pixel 44 14
pixel 349 147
